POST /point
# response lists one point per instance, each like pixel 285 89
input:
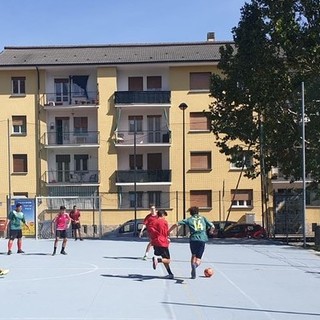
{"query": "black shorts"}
pixel 15 234
pixel 75 225
pixel 162 252
pixel 61 234
pixel 197 248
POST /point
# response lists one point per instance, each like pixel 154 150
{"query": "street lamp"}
pixel 303 165
pixel 183 107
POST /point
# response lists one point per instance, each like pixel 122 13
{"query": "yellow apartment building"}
pixel 102 127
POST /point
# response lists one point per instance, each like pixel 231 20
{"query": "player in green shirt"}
pixel 16 218
pixel 198 226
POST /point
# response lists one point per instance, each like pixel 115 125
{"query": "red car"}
pixel 245 230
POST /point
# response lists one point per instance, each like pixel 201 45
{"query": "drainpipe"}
pixel 38 161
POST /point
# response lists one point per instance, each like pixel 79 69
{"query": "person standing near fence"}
pixel 16 219
pixel 60 224
pixel 75 222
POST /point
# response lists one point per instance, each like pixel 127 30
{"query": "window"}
pixel 20 163
pixel 61 87
pixel 155 197
pixel 154 83
pixel 81 162
pixel 201 198
pixel 19 124
pixel 241 198
pixel 80 125
pixel 20 194
pixel 139 161
pixel 18 85
pixel 238 160
pixel 139 199
pixel 135 84
pixel 199 121
pixel 200 160
pixel 200 81
pixel 135 123
pixel 79 86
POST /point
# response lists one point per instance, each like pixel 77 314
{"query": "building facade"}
pixel 105 122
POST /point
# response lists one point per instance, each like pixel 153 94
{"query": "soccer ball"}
pixel 208 272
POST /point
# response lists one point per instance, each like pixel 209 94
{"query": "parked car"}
pixel 219 226
pixel 245 230
pixel 127 229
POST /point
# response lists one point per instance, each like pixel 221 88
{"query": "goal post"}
pixel 90 209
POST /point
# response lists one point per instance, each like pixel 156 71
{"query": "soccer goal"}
pixel 48 207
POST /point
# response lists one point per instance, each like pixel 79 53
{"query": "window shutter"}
pixel 135 83
pixel 200 80
pixel 241 195
pixel 199 121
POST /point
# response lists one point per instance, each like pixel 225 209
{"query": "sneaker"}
pixel 20 251
pixel 144 257
pixel 170 276
pixel 81 239
pixel 3 272
pixel 63 252
pixel 9 252
pixel 53 253
pixel 154 263
pixel 193 272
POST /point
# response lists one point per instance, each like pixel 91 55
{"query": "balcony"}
pixel 69 99
pixel 142 97
pixel 71 177
pixel 58 138
pixel 142 176
pixel 122 138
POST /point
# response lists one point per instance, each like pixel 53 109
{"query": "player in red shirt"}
pixel 75 222
pixel 147 223
pixel 160 241
pixel 60 224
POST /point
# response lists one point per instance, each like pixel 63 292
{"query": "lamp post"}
pixel 183 107
pixel 303 165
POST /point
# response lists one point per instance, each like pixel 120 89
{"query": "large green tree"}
pixel 258 95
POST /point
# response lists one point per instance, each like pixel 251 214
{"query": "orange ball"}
pixel 208 272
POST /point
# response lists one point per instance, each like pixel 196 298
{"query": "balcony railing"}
pixel 142 97
pixel 69 99
pixel 131 176
pixel 142 137
pixel 70 138
pixel 71 177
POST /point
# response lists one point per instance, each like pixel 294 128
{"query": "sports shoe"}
pixel 170 276
pixel 53 253
pixel 145 257
pixel 81 239
pixel 20 251
pixel 63 252
pixel 154 262
pixel 9 252
pixel 3 272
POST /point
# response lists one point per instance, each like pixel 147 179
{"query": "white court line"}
pixel 257 305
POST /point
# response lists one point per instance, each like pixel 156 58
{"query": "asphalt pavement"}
pixel 107 279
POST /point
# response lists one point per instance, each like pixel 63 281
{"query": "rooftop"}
pixel 207 51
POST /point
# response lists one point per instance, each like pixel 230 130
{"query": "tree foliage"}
pixel 258 96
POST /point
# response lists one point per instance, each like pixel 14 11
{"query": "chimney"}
pixel 210 36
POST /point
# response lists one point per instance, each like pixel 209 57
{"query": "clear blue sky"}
pixel 77 22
